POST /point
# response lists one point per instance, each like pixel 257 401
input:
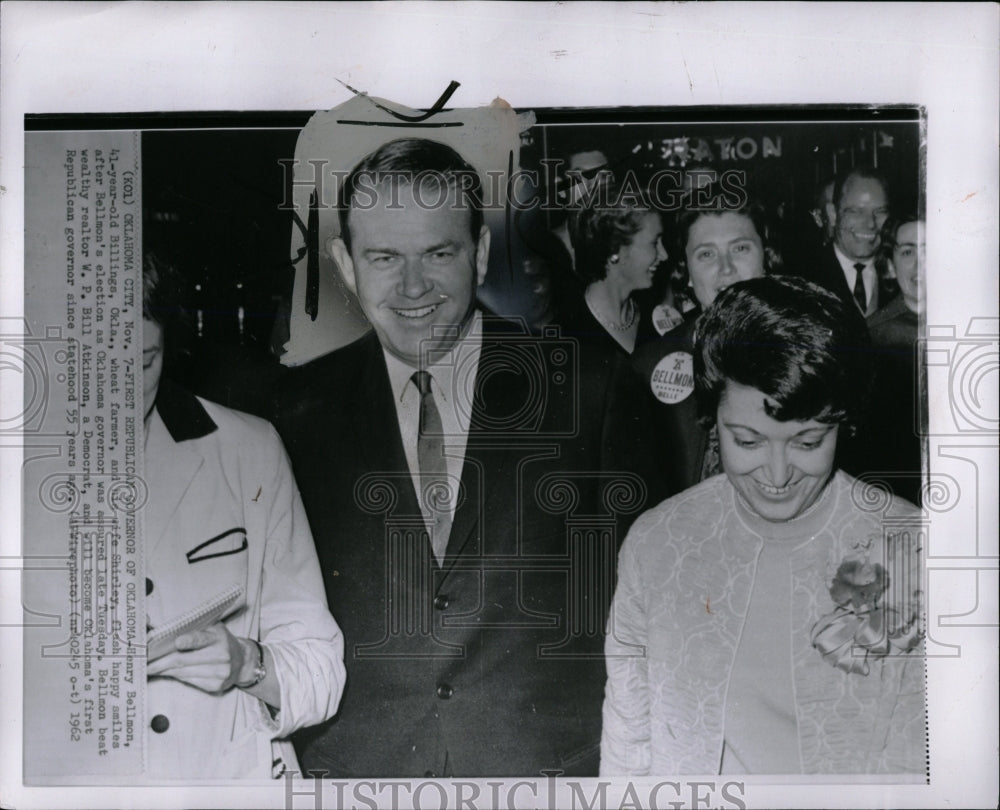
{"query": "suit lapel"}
pixel 873 303
pixel 172 458
pixel 170 469
pixel 486 460
pixel 835 280
pixel 470 511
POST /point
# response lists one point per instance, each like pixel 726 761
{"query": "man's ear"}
pixel 341 255
pixel 482 254
pixel 831 213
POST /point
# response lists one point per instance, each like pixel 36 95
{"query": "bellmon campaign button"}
pixel 672 380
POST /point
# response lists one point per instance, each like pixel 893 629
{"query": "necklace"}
pixel 624 326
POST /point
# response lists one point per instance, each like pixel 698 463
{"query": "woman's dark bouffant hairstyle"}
pixel 163 301
pixel 603 227
pixel 888 244
pixel 793 341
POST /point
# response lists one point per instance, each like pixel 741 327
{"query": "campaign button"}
pixel 672 380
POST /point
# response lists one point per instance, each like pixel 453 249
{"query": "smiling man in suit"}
pixel 468 485
pixel 859 209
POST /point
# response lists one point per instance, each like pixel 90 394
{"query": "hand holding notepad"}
pixel 160 640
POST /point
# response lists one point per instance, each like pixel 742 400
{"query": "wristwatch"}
pixel 259 670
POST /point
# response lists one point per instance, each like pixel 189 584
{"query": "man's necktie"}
pixel 859 289
pixel 434 494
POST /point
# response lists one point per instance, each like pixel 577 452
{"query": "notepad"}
pixel 161 640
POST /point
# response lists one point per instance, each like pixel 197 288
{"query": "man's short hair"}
pixel 861 172
pixel 819 196
pixel 795 342
pixel 406 160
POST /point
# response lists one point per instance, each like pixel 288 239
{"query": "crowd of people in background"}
pixel 642 275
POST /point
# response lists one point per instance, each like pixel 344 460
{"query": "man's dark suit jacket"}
pixel 492 664
pixel 826 271
pixel 889 441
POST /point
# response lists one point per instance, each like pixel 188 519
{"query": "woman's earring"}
pixel 614 258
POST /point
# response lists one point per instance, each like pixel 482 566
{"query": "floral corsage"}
pixel 866 623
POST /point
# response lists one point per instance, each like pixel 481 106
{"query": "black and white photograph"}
pixel 605 443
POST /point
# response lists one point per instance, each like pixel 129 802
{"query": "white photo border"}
pixel 130 58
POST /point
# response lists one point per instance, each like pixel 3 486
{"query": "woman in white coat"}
pixel 224 513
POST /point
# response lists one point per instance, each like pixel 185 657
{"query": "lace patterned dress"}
pixel 687 572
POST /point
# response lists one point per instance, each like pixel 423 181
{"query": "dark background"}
pixel 211 208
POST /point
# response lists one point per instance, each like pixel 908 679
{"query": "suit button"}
pixel 149 586
pixel 430 775
pixel 444 691
pixel 159 724
pixel 441 601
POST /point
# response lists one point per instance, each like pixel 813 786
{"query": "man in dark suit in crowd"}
pixel 467 485
pixel 846 267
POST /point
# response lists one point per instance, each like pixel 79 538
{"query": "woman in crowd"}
pixel 901 257
pixel 617 244
pixel 224 523
pixel 717 248
pixel 766 620
pixel 890 443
